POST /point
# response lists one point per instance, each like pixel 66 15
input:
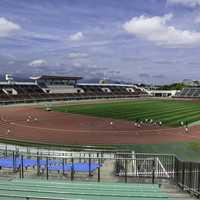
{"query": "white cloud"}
pixel 38 63
pixel 155 29
pixel 7 27
pixel 197 19
pixel 11 62
pixel 187 3
pixel 76 36
pixel 75 55
pixel 76 64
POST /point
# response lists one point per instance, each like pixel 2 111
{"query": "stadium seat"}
pixel 34 189
pixel 190 92
pixel 28 93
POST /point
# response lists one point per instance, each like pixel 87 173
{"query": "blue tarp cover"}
pixel 53 165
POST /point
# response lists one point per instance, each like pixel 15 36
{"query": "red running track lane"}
pixel 64 128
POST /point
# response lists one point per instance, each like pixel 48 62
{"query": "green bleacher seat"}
pixel 34 189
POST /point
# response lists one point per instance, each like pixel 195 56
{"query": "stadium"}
pixel 88 140
pixel 99 100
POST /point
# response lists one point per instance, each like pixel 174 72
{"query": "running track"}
pixel 39 126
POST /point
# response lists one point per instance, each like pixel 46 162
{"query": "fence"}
pixel 66 98
pixel 105 166
pixel 101 166
pixel 187 176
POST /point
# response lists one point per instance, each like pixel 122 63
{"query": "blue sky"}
pixel 154 41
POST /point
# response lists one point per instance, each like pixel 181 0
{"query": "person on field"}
pixel 182 123
pixel 186 127
pixel 8 131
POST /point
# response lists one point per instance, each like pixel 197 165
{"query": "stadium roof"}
pixel 45 77
pixel 106 84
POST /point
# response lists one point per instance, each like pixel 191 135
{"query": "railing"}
pixel 67 98
pixel 91 165
pixel 187 176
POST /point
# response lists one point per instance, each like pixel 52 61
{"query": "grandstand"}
pixel 51 88
pixel 57 84
pixel 189 92
pixel 114 89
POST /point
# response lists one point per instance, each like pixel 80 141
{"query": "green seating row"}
pixel 70 188
pixel 79 190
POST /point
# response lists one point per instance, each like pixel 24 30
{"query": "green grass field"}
pixel 170 112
